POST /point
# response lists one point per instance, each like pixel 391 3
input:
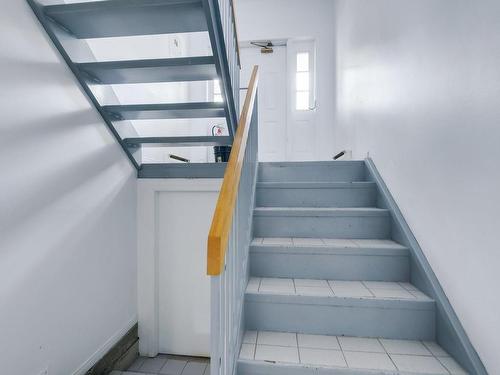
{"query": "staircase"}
pixel 329 291
pixel 74 27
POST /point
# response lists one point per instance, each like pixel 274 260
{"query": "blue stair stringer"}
pixel 334 263
pixel 69 25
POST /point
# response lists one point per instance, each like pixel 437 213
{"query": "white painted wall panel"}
pixel 419 89
pixel 184 304
pixel 174 290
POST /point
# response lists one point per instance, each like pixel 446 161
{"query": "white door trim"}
pixel 148 192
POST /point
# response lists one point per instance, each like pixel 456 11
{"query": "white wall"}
pixel 292 19
pixel 419 89
pixel 67 212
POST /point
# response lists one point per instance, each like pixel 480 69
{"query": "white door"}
pixel 271 101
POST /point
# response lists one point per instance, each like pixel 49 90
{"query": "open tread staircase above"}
pixel 70 25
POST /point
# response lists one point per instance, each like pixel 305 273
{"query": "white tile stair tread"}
pixel 327 242
pixel 371 354
pixel 336 288
pixel 375 210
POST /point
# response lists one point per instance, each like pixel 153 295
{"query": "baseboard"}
pixel 451 334
pixel 129 356
pixel 97 360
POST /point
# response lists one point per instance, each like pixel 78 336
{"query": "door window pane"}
pixel 217 91
pixel 303 81
pixel 303 62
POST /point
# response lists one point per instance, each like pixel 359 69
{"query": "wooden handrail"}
pixel 223 215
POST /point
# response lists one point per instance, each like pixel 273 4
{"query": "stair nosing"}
pixel 294 369
pixel 321 211
pixel 149 63
pixel 178 141
pixel 315 185
pixel 307 164
pixel 328 250
pixel 164 106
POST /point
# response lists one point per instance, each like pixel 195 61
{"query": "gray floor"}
pixel 168 365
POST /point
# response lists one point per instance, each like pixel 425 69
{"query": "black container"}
pixel 222 153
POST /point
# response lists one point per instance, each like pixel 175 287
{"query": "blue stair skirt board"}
pixel 338 284
pixel 69 25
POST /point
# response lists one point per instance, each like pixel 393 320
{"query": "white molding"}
pixel 101 352
pixel 147 252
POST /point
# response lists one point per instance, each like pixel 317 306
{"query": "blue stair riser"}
pixel 309 264
pixel 328 171
pixel 333 226
pixel 394 319
pixel 322 195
